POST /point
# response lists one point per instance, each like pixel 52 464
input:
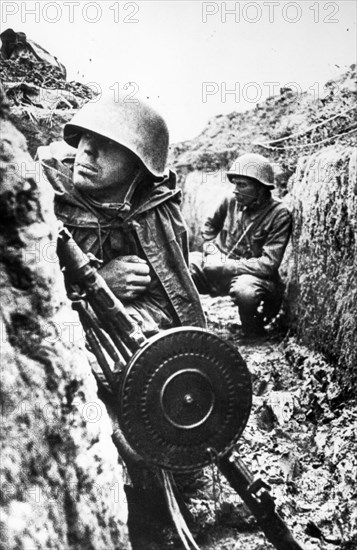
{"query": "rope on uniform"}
pixel 312 144
pixel 298 134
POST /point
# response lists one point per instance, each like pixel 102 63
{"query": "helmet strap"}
pixel 125 206
pixel 263 196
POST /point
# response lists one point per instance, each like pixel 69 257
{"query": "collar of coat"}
pixel 57 163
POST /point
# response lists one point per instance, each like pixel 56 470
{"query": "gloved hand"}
pixel 219 273
pixel 216 266
pixel 126 276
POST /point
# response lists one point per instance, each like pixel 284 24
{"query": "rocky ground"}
pixel 301 439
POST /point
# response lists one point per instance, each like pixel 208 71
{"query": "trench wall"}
pixel 322 266
pixel 61 482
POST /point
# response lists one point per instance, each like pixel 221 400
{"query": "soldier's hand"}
pixel 219 274
pixel 126 276
pixel 225 268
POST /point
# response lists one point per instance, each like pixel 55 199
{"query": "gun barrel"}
pixel 261 505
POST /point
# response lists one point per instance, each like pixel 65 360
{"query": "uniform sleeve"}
pixel 151 314
pixel 214 223
pixel 267 264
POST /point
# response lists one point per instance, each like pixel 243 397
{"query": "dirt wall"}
pixel 322 278
pixel 62 485
pixel 202 192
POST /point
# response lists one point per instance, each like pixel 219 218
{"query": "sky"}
pixel 193 60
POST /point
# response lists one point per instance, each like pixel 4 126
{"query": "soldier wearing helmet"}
pixel 244 243
pixel 115 197
pixel 119 203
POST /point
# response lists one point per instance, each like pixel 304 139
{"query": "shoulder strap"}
pixel 269 208
pixel 252 226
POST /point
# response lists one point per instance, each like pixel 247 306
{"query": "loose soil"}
pixel 300 439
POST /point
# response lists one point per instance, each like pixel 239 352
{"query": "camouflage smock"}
pixel 153 230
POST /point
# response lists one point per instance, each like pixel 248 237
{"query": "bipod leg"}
pixel 259 501
pixel 96 339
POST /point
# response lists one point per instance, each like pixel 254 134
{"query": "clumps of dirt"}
pixel 42 75
pixel 334 443
pixel 283 127
pixel 300 439
pixel 38 94
pixel 28 70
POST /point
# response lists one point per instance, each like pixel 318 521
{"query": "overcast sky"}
pixel 186 56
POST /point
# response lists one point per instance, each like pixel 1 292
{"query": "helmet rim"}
pixel 255 167
pixel 135 126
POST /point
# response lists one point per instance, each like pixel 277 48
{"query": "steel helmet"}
pixel 253 166
pixel 132 124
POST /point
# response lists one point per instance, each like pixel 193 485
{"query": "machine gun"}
pixel 183 396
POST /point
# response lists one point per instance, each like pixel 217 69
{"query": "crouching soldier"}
pixel 113 194
pixel 244 244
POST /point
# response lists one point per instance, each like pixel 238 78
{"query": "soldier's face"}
pixel 103 169
pixel 246 190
